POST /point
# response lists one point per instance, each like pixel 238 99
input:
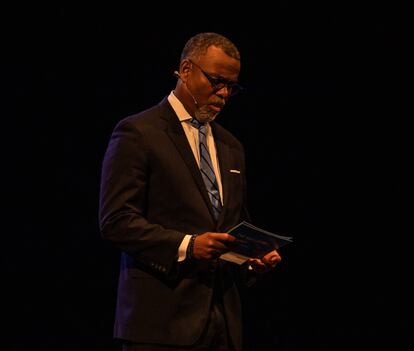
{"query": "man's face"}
pixel 211 81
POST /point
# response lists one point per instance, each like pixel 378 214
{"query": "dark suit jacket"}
pixel 152 194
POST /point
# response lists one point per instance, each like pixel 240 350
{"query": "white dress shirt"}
pixel 192 136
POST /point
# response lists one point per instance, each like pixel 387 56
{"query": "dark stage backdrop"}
pixel 323 122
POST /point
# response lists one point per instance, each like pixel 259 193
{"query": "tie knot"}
pixel 196 123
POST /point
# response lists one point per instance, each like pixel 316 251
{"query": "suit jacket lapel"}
pixel 176 132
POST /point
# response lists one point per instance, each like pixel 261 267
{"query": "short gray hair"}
pixel 197 45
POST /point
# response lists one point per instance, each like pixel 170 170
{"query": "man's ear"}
pixel 185 68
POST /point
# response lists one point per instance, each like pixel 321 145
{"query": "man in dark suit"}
pixel 169 215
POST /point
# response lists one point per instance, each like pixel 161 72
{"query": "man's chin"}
pixel 205 117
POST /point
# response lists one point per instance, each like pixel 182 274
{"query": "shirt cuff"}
pixel 182 250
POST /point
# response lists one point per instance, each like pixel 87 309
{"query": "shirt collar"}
pixel 178 108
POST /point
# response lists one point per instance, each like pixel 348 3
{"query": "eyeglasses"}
pixel 218 83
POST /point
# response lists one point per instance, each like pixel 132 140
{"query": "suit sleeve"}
pixel 122 210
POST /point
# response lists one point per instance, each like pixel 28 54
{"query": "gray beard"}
pixel 204 114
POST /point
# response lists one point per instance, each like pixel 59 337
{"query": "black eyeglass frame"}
pixel 218 83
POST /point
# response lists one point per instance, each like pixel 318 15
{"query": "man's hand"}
pixel 209 246
pixel 266 263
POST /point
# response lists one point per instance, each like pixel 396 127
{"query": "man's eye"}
pixel 220 82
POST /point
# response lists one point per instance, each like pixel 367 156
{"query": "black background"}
pixel 324 122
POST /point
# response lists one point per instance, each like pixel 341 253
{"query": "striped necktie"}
pixel 206 169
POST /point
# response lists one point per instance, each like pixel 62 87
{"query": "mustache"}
pixel 219 103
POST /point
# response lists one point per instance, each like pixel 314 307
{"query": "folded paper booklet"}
pixel 253 242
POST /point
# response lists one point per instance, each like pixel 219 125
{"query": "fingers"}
pixel 219 241
pixel 266 263
pixel 212 245
pixel 257 265
pixel 255 262
pixel 272 258
pixel 223 237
